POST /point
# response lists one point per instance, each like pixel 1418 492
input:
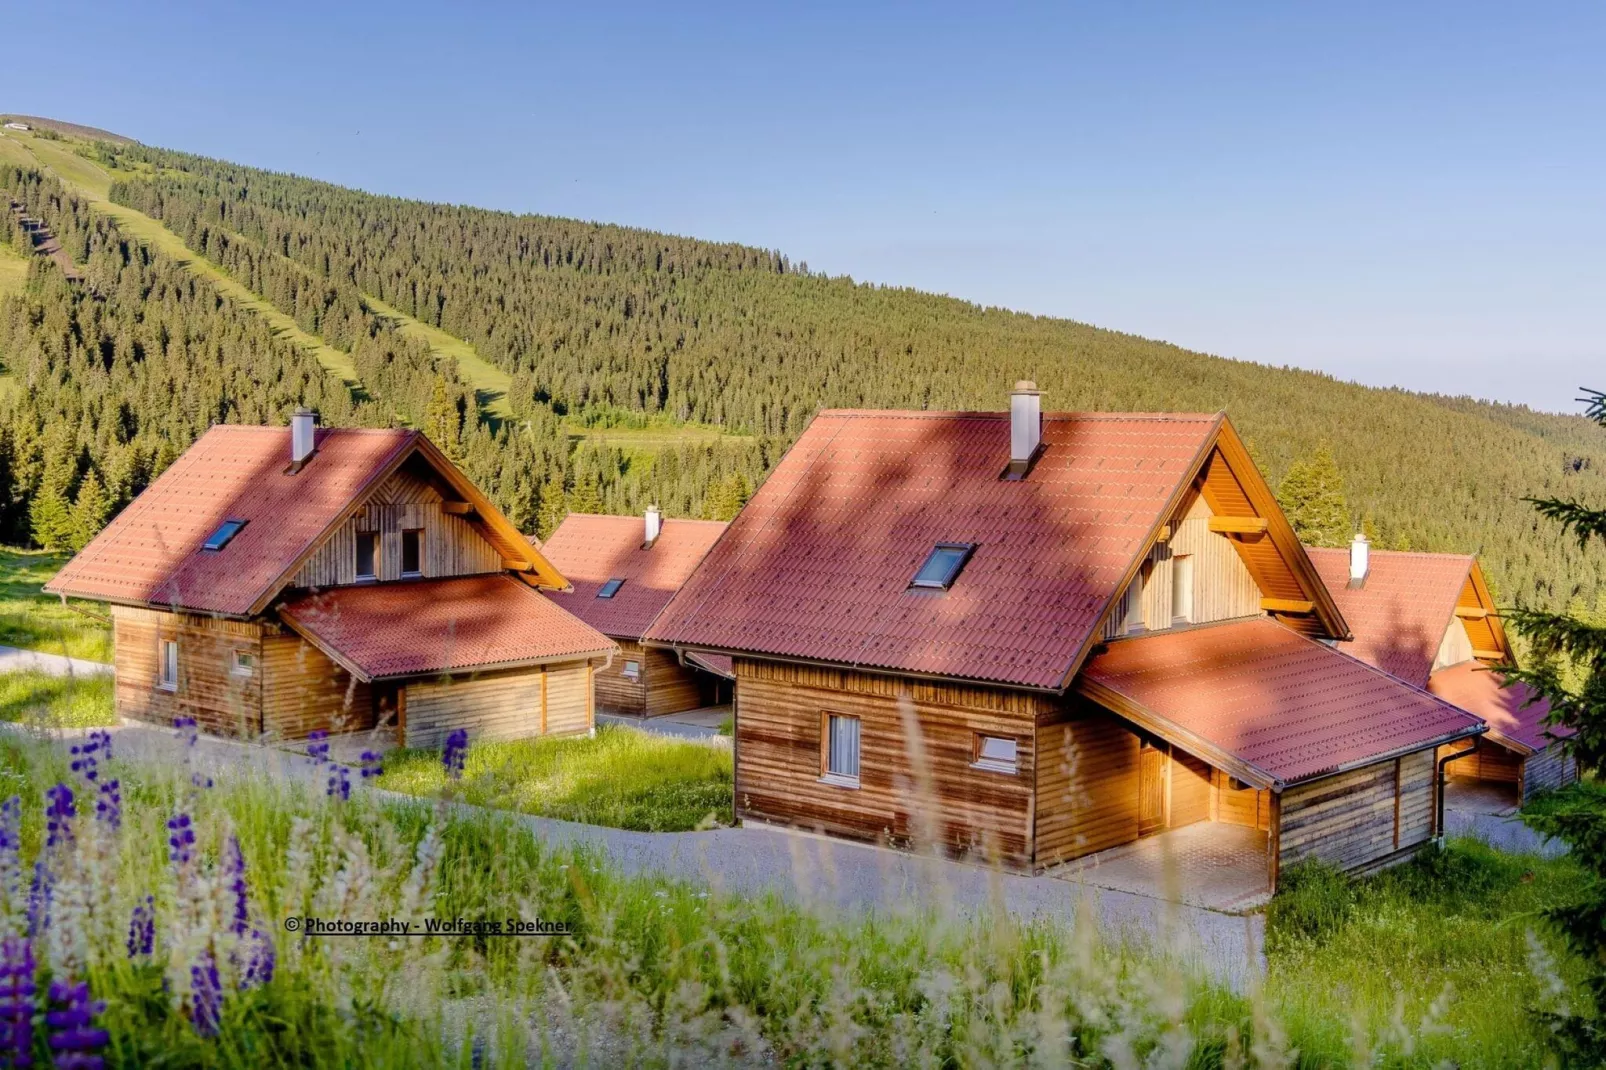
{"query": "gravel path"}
pixel 15 659
pixel 823 874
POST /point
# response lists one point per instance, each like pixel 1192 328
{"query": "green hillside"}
pixel 610 360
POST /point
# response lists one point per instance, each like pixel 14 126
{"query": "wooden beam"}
pixel 458 508
pixel 1489 655
pixel 1286 605
pixel 1165 534
pixel 1471 612
pixel 516 564
pixel 1239 525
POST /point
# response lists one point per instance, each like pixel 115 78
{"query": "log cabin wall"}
pixel 1547 770
pixel 553 700
pixel 780 711
pixel 618 692
pixel 451 545
pixel 1087 785
pixel 1489 761
pixel 660 684
pixel 1362 819
pixel 211 687
pixel 304 691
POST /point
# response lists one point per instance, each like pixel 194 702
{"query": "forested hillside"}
pixel 600 325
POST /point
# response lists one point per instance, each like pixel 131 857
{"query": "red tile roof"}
pixel 590 550
pixel 433 626
pixel 719 664
pixel 1287 707
pixel 1507 710
pixel 818 564
pixel 1400 616
pixel 150 554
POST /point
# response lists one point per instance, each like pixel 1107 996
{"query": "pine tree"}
pixel 553 507
pixel 50 517
pixel 1312 495
pixel 443 423
pixel 90 511
pixel 586 496
pixel 1563 645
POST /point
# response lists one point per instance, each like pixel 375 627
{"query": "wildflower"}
pixel 10 854
pixel 200 781
pixel 39 898
pixel 259 962
pixel 59 812
pixel 17 989
pixel 238 889
pixel 339 783
pixel 109 807
pixel 455 753
pixel 371 763
pixel 73 1038
pixel 187 731
pixel 181 842
pixel 142 928
pixel 318 747
pixel 206 995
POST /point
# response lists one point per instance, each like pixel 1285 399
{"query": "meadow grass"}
pixel 49 701
pixel 621 777
pixel 13 269
pixel 1588 792
pixel 33 620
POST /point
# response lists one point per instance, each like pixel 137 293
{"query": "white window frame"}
pixel 829 724
pixel 167 664
pixel 631 670
pixel 237 668
pixel 1182 581
pixel 981 760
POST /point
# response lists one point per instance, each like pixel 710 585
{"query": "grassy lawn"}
pixel 1589 793
pixel 13 269
pixel 38 698
pixel 33 620
pixel 621 777
pixel 1440 945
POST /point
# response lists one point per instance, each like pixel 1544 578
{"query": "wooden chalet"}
pixel 622 571
pixel 276 581
pixel 1430 620
pixel 1066 631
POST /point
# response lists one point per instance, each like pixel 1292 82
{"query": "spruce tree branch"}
pixel 1574 517
pixel 1558 633
pixel 1595 400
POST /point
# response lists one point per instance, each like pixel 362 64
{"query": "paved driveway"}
pixel 13 659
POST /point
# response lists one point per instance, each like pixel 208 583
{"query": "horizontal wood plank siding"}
pixel 304 691
pixel 779 746
pixel 1416 775
pixel 221 701
pixel 616 692
pixel 1190 789
pixel 672 687
pixel 1352 820
pixel 501 705
pixel 1548 770
pixel 1087 786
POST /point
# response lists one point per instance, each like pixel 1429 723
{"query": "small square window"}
pixel 412 553
pixel 839 758
pixel 167 665
pixel 611 588
pixel 943 564
pixel 1000 754
pixel 245 663
pixel 367 554
pixel 225 531
pixel 632 670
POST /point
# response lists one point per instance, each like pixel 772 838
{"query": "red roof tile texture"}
pixel 1400 616
pixel 1283 704
pixel 818 564
pixel 590 550
pixel 436 626
pixel 1507 710
pixel 151 553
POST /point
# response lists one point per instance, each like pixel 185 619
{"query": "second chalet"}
pixel 1069 632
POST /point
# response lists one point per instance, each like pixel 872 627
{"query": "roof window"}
pixel 225 531
pixel 943 564
pixel 609 589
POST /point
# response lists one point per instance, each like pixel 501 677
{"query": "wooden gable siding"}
pixel 663 685
pixel 304 691
pixel 1087 785
pixel 452 545
pixel 779 710
pixel 519 703
pixel 208 689
pixel 1360 819
pixel 1485 637
pixel 1223 588
pixel 1454 648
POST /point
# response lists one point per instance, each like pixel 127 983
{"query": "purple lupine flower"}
pixel 109 807
pixel 74 1040
pixel 39 895
pixel 181 841
pixel 11 849
pixel 372 764
pixel 200 781
pixel 318 746
pixel 206 995
pixel 59 812
pixel 17 991
pixel 476 1057
pixel 456 753
pixel 259 961
pixel 142 928
pixel 339 783
pixel 102 740
pixel 188 731
pixel 239 890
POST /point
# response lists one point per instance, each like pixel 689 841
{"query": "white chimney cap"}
pixel 1360 559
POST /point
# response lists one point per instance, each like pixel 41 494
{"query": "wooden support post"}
pixel 1274 842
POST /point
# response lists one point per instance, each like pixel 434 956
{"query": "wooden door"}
pixel 1151 788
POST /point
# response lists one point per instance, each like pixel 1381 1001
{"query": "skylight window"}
pixel 942 565
pixel 611 588
pixel 225 531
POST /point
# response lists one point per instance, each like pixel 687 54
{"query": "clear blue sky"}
pixel 1400 194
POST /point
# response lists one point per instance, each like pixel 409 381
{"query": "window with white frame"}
pixel 998 754
pixel 167 665
pixel 1182 589
pixel 632 670
pixel 839 758
pixel 245 663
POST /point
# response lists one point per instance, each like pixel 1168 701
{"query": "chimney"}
pixel 655 525
pixel 303 424
pixel 1360 560
pixel 1025 429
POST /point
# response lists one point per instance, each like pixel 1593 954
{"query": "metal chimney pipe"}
pixel 655 524
pixel 1025 428
pixel 303 425
pixel 1360 560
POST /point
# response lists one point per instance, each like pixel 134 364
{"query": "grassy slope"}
pixel 46 701
pixel 490 382
pixel 93 182
pixel 34 620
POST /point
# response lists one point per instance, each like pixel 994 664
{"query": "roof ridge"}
pixel 1376 551
pixel 996 414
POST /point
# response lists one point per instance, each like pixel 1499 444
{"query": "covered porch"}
pixel 1210 865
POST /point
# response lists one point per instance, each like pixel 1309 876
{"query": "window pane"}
pixel 632 669
pixel 1182 589
pixel 610 588
pixel 225 531
pixel 942 566
pixel 169 665
pixel 367 544
pixel 412 552
pixel 842 756
pixel 994 749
